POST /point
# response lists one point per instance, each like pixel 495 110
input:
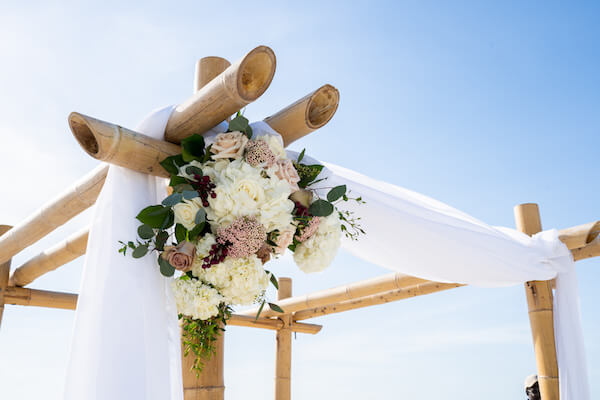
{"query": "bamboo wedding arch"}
pixel 220 90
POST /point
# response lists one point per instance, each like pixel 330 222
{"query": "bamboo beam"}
pixel 541 314
pixel 50 259
pixel 40 298
pixel 272 324
pixel 77 198
pixel 237 86
pixel 207 69
pixel 376 299
pixel 306 115
pixel 283 357
pixel 120 146
pixel 341 293
pixel 4 272
pixel 590 250
pixel 580 236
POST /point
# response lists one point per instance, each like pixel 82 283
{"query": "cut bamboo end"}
pixel 237 86
pixel 580 236
pixel 309 113
pixel 114 144
pixel 207 69
pixel 77 198
pixel 590 250
pixel 49 260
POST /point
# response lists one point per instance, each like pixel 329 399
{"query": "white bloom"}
pixel 196 299
pixel 204 245
pixel 317 252
pixel 185 213
pixel 242 190
pixel 182 169
pixel 239 280
pixel 275 144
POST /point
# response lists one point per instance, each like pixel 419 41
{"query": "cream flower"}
pixel 239 280
pixel 317 252
pixel 284 239
pixel 195 299
pixel 182 169
pixel 204 245
pixel 229 145
pixel 284 169
pixel 275 144
pixel 185 213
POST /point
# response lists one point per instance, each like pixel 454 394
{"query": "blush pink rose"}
pixel 229 145
pixel 285 170
pixel 181 256
pixel 284 239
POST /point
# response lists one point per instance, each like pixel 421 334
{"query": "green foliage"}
pixel 194 233
pixel 307 173
pixel 301 156
pixel 200 216
pixel 140 251
pixel 275 307
pixel 241 124
pixel 321 208
pixel 173 199
pixel 161 239
pixel 192 148
pixel 145 231
pixel 335 193
pixel 181 233
pixel 165 267
pixel 172 164
pixel 154 216
pixel 189 194
pixel 193 170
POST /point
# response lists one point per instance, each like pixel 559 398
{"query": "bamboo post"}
pixel 51 259
pixel 283 359
pixel 77 198
pixel 306 115
pixel 40 298
pixel 207 69
pixel 539 302
pixel 4 271
pixel 375 299
pixel 341 293
pixel 209 385
pixel 237 86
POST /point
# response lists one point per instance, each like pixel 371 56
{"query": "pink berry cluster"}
pixel 258 153
pixel 205 188
pixel 244 237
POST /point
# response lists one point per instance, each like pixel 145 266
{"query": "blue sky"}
pixel 482 105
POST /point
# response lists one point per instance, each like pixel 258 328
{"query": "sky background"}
pixel 482 105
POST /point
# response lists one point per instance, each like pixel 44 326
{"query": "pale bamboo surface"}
pixel 236 87
pixel 305 115
pixel 588 251
pixel 74 200
pixel 40 298
pixel 209 385
pixel 50 259
pixel 541 314
pixel 116 145
pixel 376 299
pixel 341 293
pixel 579 236
pixel 4 272
pixel 283 356
pixel 207 69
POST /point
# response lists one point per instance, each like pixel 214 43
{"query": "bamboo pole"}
pixel 341 293
pixel 50 259
pixel 580 236
pixel 4 272
pixel 207 69
pixel 306 115
pixel 376 299
pixel 283 358
pixel 539 302
pixel 590 250
pixel 40 298
pixel 237 86
pixel 54 214
pixel 209 385
pixel 116 145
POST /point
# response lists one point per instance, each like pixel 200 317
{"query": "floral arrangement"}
pixel 235 204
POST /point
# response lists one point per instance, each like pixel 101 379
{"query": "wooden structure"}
pixel 221 89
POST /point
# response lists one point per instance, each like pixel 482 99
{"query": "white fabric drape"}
pixel 126 340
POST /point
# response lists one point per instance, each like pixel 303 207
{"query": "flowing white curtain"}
pixel 126 340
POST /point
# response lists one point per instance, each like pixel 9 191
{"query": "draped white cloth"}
pixel 126 339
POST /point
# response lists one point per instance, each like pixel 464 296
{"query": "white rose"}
pixel 185 213
pixel 275 144
pixel 317 252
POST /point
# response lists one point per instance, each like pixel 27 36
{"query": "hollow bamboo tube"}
pixel 4 272
pixel 120 146
pixel 207 69
pixel 306 115
pixel 588 251
pixel 49 260
pixel 539 302
pixel 283 357
pixel 579 236
pixel 54 214
pixel 237 86
pixel 40 298
pixel 376 299
pixel 341 293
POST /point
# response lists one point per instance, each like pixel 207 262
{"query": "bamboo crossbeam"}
pixel 590 250
pixel 283 357
pixel 341 293
pixel 579 236
pixel 52 258
pixel 77 198
pixel 306 115
pixel 541 313
pixel 237 86
pixel 207 69
pixel 4 273
pixel 376 299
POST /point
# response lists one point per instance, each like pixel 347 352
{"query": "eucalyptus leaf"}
pixel 140 251
pixel 189 194
pixel 145 231
pixel 165 267
pixel 335 193
pixel 193 170
pixel 320 208
pixel 196 231
pixel 183 187
pixel 200 216
pixel 180 233
pixel 173 199
pixel 161 239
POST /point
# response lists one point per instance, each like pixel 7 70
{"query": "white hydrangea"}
pixel 204 245
pixel 317 252
pixel 239 280
pixel 242 190
pixel 196 299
